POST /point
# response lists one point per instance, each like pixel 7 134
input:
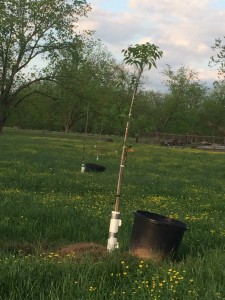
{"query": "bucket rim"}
pixel 161 219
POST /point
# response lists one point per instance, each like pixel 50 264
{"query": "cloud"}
pixel 180 10
pixel 183 30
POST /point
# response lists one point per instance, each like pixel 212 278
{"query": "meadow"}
pixel 47 203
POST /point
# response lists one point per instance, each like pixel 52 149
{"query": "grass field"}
pixel 46 203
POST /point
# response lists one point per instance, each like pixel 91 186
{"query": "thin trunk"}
pixel 86 133
pixel 124 151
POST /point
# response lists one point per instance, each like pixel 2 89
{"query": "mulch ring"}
pixel 75 251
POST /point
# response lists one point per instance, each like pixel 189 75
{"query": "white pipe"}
pixel 115 223
pixel 82 168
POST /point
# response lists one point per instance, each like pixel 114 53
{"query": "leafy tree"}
pixel 213 112
pixel 148 112
pixel 28 30
pixel 183 101
pixel 38 110
pixel 218 59
pixel 88 77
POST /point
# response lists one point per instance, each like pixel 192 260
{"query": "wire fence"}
pixel 178 139
pixel 147 138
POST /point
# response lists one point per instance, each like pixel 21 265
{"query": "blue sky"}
pixel 113 6
pixel 183 30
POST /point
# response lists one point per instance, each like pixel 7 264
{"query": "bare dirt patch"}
pixel 79 250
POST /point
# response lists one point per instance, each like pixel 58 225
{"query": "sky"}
pixel 184 30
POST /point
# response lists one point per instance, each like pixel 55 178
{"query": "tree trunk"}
pixel 67 126
pixel 2 123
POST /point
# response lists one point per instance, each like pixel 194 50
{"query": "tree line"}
pixel 81 78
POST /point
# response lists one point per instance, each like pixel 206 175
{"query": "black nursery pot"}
pixel 94 168
pixel 155 236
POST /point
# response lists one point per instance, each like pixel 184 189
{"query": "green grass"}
pixel 45 203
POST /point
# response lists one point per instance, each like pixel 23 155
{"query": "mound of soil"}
pixel 83 249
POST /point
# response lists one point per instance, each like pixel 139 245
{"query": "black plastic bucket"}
pixel 155 236
pixel 94 168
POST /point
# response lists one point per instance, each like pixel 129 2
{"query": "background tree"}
pixel 213 111
pixel 148 112
pixel 218 59
pixel 217 116
pixel 86 75
pixel 183 101
pixel 37 110
pixel 28 30
pixel 87 78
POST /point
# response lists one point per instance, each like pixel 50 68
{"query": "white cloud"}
pixel 183 30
